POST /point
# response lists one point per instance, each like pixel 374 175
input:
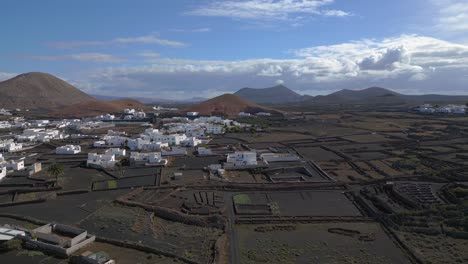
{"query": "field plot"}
pixel 367 138
pixel 300 203
pixel 196 163
pixel 317 243
pixel 274 136
pixel 368 155
pixel 128 182
pixel 317 154
pixel 436 249
pixel 370 147
pixel 127 255
pixel 198 202
pixel 28 257
pixel 381 166
pixel 137 225
pixel 68 209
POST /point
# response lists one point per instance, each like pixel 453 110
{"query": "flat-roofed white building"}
pixel 68 150
pixel 242 158
pixel 100 160
pixel 279 157
pixel 15 165
pixel 10 146
pixel 116 151
pixel 149 158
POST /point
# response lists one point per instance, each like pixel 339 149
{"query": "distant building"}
pixel 279 157
pixel 68 150
pixel 10 146
pixel 150 158
pixel 174 151
pixel 192 114
pixel 115 151
pixel 242 158
pixel 100 161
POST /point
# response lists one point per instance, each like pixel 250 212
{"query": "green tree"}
pixel 55 170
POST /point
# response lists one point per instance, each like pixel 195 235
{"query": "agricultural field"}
pixel 317 243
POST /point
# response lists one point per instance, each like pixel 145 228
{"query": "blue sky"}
pixel 181 49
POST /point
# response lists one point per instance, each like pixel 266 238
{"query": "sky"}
pixel 181 49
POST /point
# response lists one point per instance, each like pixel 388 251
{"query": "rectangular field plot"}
pixel 317 243
pixel 137 225
pixel 299 203
pixel 317 154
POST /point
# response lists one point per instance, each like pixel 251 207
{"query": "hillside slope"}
pixel 37 90
pixel 98 107
pixel 227 104
pixel 272 95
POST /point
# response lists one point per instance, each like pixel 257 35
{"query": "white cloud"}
pixel 267 9
pixel 149 54
pixel 452 16
pixel 82 57
pixel 193 30
pixel 404 63
pixel 147 39
pixel 7 75
pixel 418 77
pixel 279 82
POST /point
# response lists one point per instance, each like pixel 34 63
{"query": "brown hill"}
pixel 227 104
pixel 37 90
pixel 98 107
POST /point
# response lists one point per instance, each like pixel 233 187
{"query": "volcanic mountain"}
pixel 98 107
pixel 227 104
pixel 379 96
pixel 272 95
pixel 37 90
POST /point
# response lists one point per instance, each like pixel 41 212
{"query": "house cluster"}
pixel 5 112
pixel 10 146
pixel 244 114
pixel 241 160
pixel 39 135
pixel 106 160
pixel 446 109
pixel 200 127
pixel 127 114
pixel 68 150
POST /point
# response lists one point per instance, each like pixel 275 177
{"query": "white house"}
pixel 100 161
pixel 99 144
pixel 263 114
pixel 192 114
pixel 214 129
pixel 242 158
pixel 68 150
pixel 15 165
pixel 10 146
pixel 191 142
pixel 115 151
pixel 150 158
pixel 459 109
pixel 174 151
pixel 115 141
pixel 244 114
pixel 3 172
